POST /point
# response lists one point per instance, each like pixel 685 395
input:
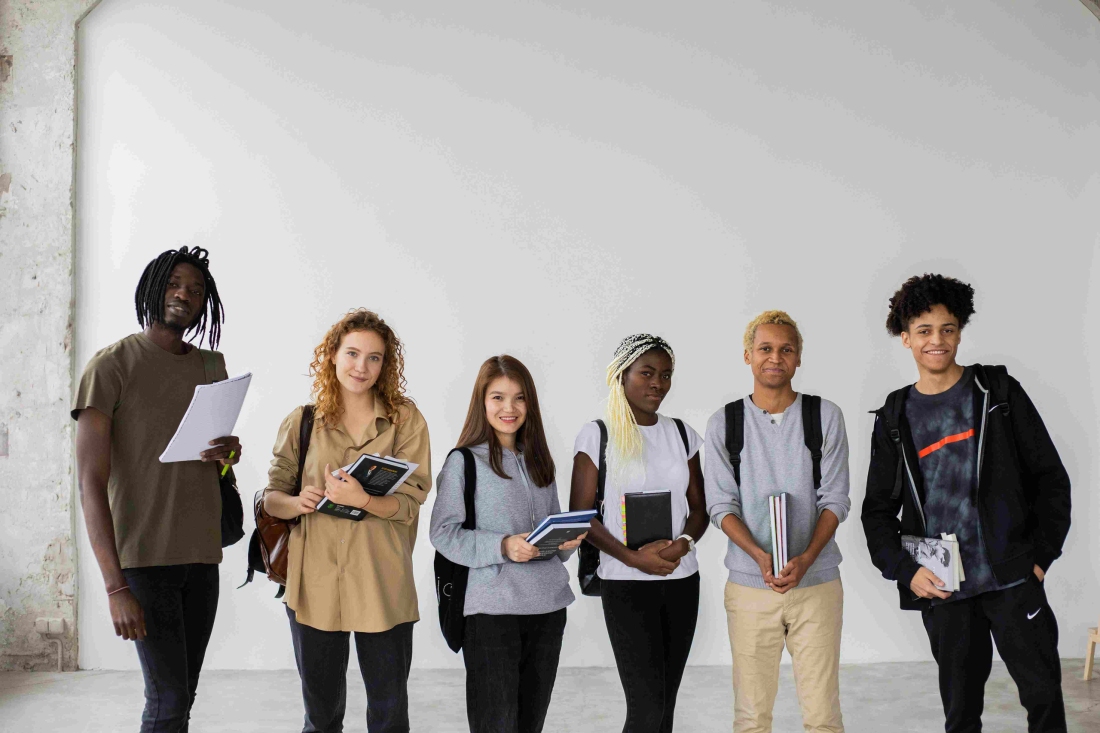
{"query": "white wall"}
pixel 542 181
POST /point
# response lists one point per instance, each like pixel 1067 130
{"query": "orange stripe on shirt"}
pixel 949 439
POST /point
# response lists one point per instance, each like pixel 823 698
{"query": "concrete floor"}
pixel 899 698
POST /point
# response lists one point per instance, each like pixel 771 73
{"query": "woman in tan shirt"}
pixel 352 576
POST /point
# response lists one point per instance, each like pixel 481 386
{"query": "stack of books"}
pixel 558 529
pixel 777 506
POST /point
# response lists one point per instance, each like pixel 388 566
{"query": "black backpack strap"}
pixel 811 433
pixel 683 434
pixel 995 379
pixel 601 476
pixel 891 413
pixel 305 431
pixel 735 435
pixel 469 486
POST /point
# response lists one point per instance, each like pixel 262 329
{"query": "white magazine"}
pixel 941 556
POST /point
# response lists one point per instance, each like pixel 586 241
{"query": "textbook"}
pixel 378 476
pixel 559 528
pixel 647 517
pixel 777 508
pixel 941 556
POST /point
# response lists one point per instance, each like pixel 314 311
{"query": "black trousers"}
pixel 1022 623
pixel 384 660
pixel 511 665
pixel 179 603
pixel 651 624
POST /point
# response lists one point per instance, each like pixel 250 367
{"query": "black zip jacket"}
pixel 1022 491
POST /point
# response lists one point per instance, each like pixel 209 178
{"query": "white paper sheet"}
pixel 212 414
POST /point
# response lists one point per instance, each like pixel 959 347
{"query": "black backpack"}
pixel 450 577
pixel 811 434
pixel 589 561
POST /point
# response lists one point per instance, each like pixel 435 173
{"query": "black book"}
pixel 378 476
pixel 647 517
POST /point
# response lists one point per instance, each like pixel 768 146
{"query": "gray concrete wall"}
pixel 37 551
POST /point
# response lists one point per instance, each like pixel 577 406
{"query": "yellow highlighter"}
pixel 226 466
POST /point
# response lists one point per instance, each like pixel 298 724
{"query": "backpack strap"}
pixel 209 365
pixel 469 483
pixel 995 379
pixel 735 435
pixel 305 431
pixel 811 433
pixel 601 476
pixel 683 434
pixel 891 413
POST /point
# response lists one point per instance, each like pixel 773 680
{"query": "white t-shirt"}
pixel 666 469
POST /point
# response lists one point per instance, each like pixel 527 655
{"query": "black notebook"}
pixel 647 517
pixel 378 476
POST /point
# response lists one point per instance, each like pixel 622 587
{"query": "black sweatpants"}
pixel 1021 622
pixel 651 624
pixel 179 603
pixel 385 659
pixel 511 665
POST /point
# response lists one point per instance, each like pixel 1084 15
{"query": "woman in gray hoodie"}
pixel 515 600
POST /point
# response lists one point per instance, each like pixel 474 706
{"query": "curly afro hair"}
pixel 919 295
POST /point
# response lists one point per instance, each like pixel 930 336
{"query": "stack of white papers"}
pixel 212 414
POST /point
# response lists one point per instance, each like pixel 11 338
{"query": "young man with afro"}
pixel 963 451
pixel 155 528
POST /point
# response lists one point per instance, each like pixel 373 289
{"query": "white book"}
pixel 773 510
pixel 938 555
pixel 783 541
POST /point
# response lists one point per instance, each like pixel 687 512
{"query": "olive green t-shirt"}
pixel 164 513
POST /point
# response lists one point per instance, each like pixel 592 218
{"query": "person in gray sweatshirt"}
pixel 802 605
pixel 515 601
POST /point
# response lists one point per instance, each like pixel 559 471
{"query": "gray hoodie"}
pixel 502 507
pixel 774 459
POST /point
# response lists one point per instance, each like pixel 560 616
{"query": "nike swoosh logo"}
pixel 1033 615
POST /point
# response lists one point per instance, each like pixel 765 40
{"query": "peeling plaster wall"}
pixel 37 551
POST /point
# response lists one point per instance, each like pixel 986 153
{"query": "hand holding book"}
pixel 343 488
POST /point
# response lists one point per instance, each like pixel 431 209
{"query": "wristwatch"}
pixel 691 542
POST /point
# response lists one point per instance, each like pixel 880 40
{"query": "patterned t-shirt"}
pixel 945 434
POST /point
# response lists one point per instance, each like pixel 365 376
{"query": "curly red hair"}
pixel 391 382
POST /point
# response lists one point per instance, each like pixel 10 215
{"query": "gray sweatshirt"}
pixel 774 460
pixel 502 507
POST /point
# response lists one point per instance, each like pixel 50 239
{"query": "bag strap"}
pixel 891 413
pixel 811 433
pixel 601 476
pixel 683 434
pixel 469 485
pixel 995 379
pixel 209 365
pixel 735 435
pixel 305 430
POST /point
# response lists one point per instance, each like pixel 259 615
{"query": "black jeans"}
pixel 179 603
pixel 1022 623
pixel 511 665
pixel 384 660
pixel 651 624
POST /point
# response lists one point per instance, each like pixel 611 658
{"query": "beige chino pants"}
pixel 809 621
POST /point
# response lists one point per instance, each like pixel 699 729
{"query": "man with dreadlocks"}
pixel 155 527
pixel 650 594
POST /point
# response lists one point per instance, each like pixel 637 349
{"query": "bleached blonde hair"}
pixel 624 437
pixel 775 318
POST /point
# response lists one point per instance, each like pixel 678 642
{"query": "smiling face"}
pixel 505 408
pixel 359 361
pixel 934 338
pixel 647 381
pixel 183 298
pixel 774 357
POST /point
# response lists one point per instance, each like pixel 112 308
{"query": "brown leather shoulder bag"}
pixel 269 546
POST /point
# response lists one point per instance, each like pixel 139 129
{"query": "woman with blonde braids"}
pixel 651 594
pixel 352 576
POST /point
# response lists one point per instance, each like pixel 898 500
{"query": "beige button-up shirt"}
pixel 344 575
